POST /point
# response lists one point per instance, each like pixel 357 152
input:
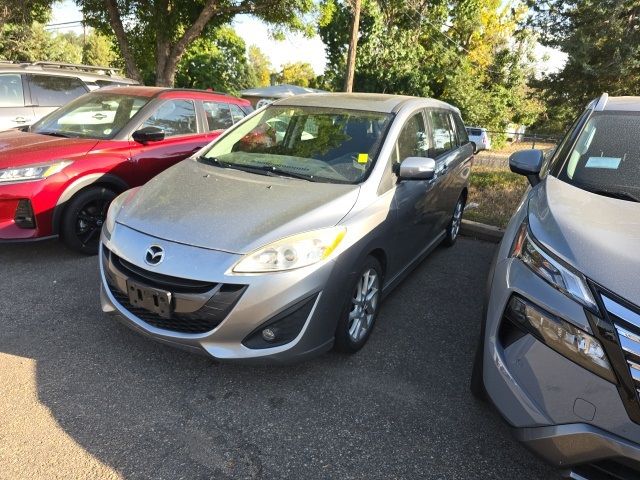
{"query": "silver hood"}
pixel 231 210
pixel 600 236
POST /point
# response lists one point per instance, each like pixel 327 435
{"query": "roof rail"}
pixel 602 102
pixel 92 68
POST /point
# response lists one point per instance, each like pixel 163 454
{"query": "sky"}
pixel 295 48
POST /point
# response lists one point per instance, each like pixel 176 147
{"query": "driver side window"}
pixel 175 117
pixel 413 140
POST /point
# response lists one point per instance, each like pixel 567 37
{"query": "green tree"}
pixel 259 67
pixel 602 41
pixel 153 36
pixel 298 73
pixel 30 43
pixel 215 61
pixel 98 50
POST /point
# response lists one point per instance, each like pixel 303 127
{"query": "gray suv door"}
pixel 49 92
pixel 13 109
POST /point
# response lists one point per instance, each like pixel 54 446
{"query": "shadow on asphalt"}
pixel 398 409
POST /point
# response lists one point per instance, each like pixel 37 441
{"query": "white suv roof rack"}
pixel 111 71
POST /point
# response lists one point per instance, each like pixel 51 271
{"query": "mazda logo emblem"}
pixel 154 255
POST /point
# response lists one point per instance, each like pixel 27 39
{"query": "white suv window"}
pixel 52 91
pixel 11 93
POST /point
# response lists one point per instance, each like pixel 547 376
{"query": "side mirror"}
pixel 527 163
pixel 148 135
pixel 417 168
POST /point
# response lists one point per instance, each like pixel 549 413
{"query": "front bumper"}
pixel 562 411
pixel 263 298
pixel 42 197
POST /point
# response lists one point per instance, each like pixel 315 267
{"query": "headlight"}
pixel 563 337
pixel 32 172
pixel 553 270
pixel 292 252
pixel 112 213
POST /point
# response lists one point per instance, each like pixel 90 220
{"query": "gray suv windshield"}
pixel 319 144
pixel 606 157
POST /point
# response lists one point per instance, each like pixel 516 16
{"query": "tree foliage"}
pixel 298 73
pixel 259 67
pixel 602 41
pixel 217 61
pixel 467 52
pixel 154 35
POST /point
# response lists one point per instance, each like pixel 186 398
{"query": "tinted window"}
pixel 606 157
pixel 175 117
pixel 236 113
pixel 11 94
pixel 476 132
pixel 52 91
pixel 218 115
pixel 413 140
pixel 97 115
pixel 444 139
pixel 463 138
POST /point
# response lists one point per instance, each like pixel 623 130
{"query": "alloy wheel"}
pixel 364 304
pixel 456 220
pixel 90 220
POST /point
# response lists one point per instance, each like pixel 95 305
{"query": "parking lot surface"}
pixel 82 396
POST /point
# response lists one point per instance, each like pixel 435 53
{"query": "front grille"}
pixel 627 325
pixel 24 217
pixel 216 300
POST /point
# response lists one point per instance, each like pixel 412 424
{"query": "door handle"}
pixel 19 120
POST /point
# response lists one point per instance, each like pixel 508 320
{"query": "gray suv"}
pixel 279 243
pixel 29 91
pixel 559 353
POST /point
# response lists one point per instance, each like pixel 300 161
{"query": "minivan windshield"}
pixel 95 115
pixel 318 144
pixel 606 157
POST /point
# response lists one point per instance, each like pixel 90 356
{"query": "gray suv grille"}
pixel 627 325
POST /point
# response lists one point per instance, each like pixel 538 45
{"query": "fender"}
pixel 104 179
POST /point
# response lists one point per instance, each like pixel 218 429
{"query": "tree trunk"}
pixel 118 29
pixel 353 44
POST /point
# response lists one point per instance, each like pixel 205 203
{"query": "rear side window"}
pixel 236 113
pixel 175 117
pixel 444 138
pixel 218 115
pixel 11 93
pixel 52 91
pixel 476 132
pixel 463 138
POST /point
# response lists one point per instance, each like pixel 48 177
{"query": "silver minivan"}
pixel 280 243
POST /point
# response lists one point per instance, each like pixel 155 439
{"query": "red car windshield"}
pixel 96 115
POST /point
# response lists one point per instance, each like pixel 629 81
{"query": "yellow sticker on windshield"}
pixel 363 157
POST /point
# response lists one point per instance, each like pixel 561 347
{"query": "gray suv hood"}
pixel 600 236
pixel 230 210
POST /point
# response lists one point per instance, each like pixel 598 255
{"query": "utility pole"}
pixel 353 44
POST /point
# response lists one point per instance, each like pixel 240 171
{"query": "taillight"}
pixel 24 217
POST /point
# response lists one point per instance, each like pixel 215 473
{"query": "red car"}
pixel 58 177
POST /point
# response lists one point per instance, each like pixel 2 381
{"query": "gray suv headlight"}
pixel 551 269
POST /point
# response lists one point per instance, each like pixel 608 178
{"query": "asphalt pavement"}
pixel 82 396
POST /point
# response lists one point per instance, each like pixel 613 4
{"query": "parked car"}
pixel 29 91
pixel 559 353
pixel 59 176
pixel 479 137
pixel 286 244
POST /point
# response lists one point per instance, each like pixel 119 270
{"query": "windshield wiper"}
pixel 267 170
pixel 620 195
pixel 53 133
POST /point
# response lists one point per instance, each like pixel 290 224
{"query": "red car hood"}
pixel 21 148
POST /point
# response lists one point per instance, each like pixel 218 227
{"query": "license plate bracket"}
pixel 151 299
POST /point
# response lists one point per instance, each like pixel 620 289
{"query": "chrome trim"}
pixel 621 311
pixel 626 333
pixel 602 102
pixel 629 345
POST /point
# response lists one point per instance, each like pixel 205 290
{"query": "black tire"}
pixel 477 382
pixel 83 218
pixel 453 229
pixel 349 337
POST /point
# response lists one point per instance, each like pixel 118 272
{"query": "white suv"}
pixel 29 91
pixel 479 137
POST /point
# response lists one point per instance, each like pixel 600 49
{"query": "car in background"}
pixel 29 91
pixel 289 237
pixel 58 177
pixel 479 137
pixel 559 350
